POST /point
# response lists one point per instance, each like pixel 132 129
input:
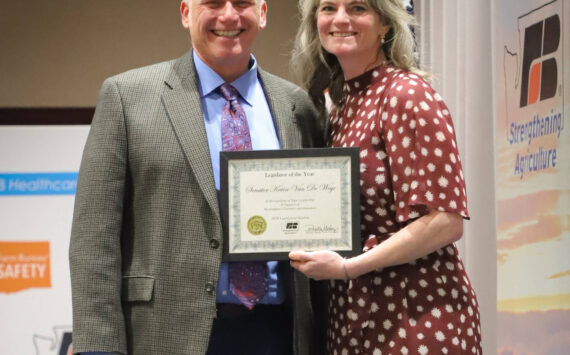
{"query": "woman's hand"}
pixel 318 265
pixel 421 237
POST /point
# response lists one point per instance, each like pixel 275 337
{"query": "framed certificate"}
pixel 276 201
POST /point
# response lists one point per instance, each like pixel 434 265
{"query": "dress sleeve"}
pixel 423 157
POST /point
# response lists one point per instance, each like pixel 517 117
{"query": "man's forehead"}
pixel 198 1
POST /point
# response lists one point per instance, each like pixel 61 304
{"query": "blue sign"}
pixel 38 184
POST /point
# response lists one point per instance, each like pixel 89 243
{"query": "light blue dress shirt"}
pixel 263 137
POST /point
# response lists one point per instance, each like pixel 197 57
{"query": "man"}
pixel 145 252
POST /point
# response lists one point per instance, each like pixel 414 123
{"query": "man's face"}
pixel 223 31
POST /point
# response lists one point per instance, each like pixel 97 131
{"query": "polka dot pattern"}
pixel 408 163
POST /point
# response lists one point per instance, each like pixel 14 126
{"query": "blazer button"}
pixel 214 244
pixel 210 288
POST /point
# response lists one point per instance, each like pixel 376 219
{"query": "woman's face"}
pixel 352 31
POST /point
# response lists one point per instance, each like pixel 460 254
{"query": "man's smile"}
pixel 224 33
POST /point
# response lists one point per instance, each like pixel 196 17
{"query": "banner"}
pixel 38 177
pixel 532 71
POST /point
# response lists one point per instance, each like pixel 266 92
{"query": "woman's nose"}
pixel 341 16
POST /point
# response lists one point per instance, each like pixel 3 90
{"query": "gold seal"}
pixel 256 225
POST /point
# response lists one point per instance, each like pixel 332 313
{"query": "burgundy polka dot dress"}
pixel 408 162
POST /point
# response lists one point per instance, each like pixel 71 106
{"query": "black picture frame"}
pixel 292 158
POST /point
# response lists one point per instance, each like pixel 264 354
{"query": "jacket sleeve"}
pixel 95 246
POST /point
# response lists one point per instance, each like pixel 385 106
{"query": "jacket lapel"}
pixel 182 102
pixel 283 111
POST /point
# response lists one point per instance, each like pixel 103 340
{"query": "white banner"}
pixel 532 67
pixel 38 175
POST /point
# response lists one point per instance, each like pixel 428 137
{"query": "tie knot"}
pixel 229 92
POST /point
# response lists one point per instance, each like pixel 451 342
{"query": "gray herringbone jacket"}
pixel 142 255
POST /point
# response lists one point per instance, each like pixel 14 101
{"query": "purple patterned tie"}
pixel 248 280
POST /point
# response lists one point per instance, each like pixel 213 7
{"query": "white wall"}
pixel 455 45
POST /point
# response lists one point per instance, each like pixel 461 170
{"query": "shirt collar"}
pixel 209 80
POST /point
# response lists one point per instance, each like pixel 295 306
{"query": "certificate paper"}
pixel 277 201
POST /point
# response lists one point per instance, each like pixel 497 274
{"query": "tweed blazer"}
pixel 146 239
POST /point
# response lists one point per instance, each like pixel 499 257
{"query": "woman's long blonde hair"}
pixel 315 69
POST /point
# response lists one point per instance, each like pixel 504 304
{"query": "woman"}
pixel 407 293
